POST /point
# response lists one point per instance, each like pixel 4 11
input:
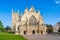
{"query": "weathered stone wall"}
pixel 31 22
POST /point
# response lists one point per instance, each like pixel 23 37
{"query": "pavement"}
pixel 42 37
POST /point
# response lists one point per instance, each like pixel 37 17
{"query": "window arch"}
pixel 32 20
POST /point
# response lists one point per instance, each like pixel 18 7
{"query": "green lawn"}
pixel 8 36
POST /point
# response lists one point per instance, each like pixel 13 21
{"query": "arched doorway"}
pixel 33 31
pixel 14 29
pixel 24 32
pixel 18 29
pixel 41 32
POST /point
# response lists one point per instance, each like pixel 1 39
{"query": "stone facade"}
pixel 31 22
pixel 56 27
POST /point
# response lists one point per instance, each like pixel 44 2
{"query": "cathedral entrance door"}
pixel 41 32
pixel 33 32
pixel 24 32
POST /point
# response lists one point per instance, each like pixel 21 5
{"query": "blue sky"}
pixel 50 9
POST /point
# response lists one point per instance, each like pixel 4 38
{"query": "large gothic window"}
pixel 32 20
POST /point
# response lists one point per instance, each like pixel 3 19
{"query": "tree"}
pixel 1 26
pixel 49 28
pixel 7 28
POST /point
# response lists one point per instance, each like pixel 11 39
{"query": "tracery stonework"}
pixel 32 20
pixel 29 23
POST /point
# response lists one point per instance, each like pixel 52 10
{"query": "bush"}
pixel 1 29
pixel 49 28
pixel 1 26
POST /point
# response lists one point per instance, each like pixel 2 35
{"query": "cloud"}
pixel 57 2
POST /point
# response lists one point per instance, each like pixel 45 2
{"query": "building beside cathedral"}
pixel 31 22
pixel 56 27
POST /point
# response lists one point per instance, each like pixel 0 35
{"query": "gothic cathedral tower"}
pixel 15 17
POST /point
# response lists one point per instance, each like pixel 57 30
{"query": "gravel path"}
pixel 42 37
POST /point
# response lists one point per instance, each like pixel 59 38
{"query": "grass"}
pixel 8 36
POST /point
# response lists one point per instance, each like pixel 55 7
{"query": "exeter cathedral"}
pixel 31 22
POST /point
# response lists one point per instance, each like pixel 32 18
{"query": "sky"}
pixel 50 10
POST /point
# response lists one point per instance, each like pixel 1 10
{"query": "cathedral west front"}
pixel 31 22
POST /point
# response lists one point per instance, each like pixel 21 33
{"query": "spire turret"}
pixel 26 10
pixel 18 12
pixel 12 10
pixel 38 11
pixel 32 9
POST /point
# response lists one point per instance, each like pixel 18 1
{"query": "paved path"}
pixel 42 37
